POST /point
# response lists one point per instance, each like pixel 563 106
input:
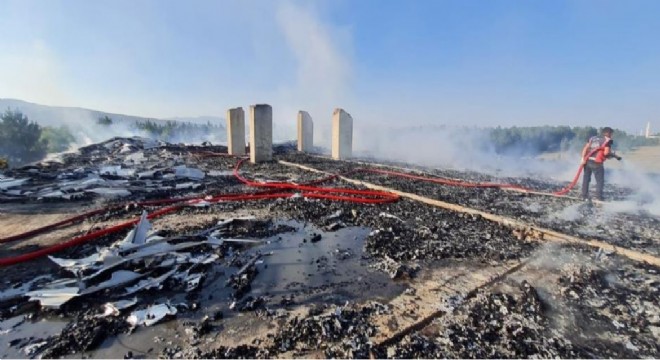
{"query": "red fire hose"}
pixel 362 196
pixel 337 194
pixel 81 239
pixel 467 184
pixel 87 215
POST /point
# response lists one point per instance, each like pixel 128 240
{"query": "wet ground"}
pixel 338 279
pixel 292 272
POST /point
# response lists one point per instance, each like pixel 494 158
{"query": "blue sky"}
pixel 388 62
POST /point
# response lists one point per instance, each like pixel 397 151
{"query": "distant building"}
pixel 648 134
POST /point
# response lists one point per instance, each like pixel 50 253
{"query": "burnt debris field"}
pixel 162 250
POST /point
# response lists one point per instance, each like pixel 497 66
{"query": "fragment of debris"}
pixel 396 269
pixel 151 315
pixel 114 308
pixel 386 215
pixel 53 298
pixel 154 252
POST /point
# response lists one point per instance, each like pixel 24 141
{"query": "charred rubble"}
pixel 633 228
pixel 297 277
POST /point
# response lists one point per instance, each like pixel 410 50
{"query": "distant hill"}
pixel 83 122
pixel 58 115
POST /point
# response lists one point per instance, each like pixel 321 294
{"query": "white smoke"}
pixel 459 148
pixel 323 70
pixel 84 127
pixel 645 186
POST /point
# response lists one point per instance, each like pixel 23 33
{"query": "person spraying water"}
pixel 594 154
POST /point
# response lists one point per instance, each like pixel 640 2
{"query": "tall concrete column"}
pixel 305 132
pixel 342 134
pixel 236 131
pixel 261 133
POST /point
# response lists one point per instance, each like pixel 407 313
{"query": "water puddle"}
pixel 318 266
pixel 17 334
pixel 298 269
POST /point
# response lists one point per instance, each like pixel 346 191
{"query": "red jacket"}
pixel 596 148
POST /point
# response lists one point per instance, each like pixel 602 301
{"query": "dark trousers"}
pixel 599 173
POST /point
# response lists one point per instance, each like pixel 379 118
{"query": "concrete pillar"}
pixel 236 131
pixel 305 132
pixel 261 133
pixel 342 134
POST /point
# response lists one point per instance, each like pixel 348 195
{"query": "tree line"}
pixel 23 141
pixel 532 140
pixel 167 130
pixel 174 131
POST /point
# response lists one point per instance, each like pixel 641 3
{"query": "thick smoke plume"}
pixel 458 148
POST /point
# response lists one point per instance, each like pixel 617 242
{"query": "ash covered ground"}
pixel 298 277
pixel 633 228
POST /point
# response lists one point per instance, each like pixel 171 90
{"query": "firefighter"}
pixel 595 152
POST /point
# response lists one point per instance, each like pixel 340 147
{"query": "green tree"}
pixel 20 139
pixel 58 138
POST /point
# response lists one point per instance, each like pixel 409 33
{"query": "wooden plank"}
pixel 409 312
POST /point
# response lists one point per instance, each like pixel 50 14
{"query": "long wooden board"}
pixel 547 234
